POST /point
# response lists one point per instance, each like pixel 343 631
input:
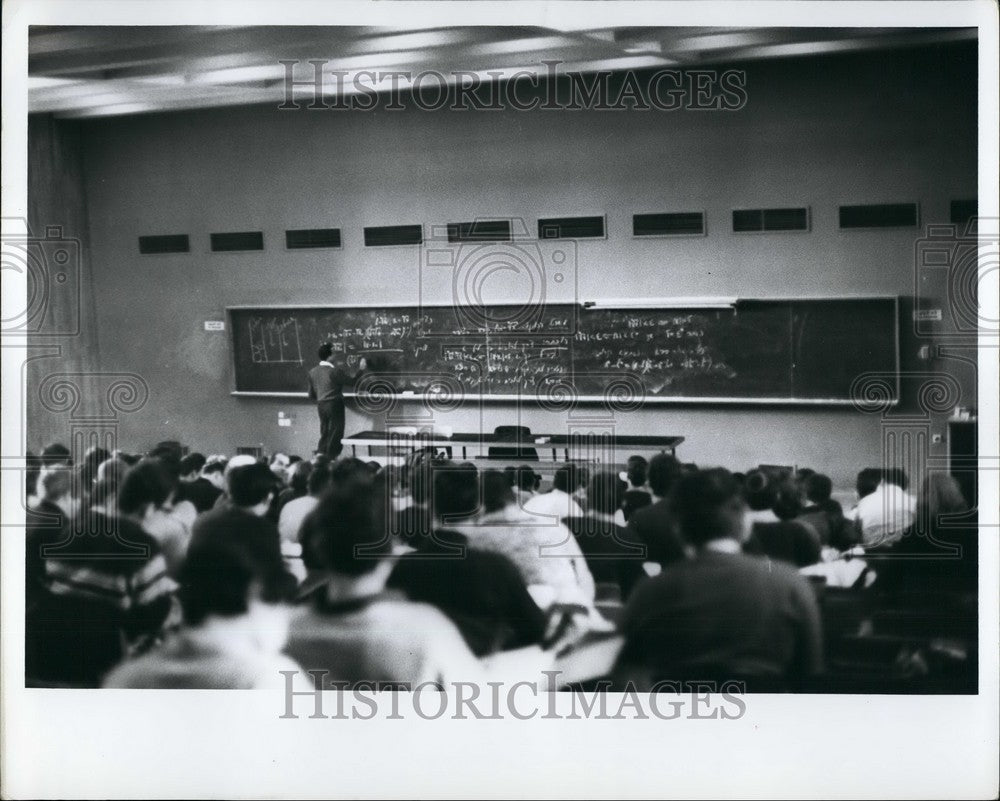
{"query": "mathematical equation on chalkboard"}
pixel 775 349
pixel 497 355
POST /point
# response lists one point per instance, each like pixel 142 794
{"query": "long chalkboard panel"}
pixel 756 351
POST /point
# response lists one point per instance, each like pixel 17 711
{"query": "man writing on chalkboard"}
pixel 326 387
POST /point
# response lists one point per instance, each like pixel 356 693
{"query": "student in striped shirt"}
pixel 109 595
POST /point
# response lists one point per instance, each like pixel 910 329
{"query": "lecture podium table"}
pixel 563 447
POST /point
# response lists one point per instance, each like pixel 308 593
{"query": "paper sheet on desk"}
pixel 839 573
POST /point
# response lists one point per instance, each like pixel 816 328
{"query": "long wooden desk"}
pixel 561 446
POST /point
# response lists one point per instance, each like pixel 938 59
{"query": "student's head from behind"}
pixel 636 470
pixel 708 506
pixel 298 477
pixel 664 470
pixel 497 492
pixel 59 486
pixel 251 487
pixel 110 476
pixel 55 454
pixel 818 489
pixel 788 502
pixel 567 479
pixel 228 576
pixel 760 490
pixel 527 479
pixel 325 351
pixel 146 487
pixel 214 471
pixel 868 481
pixel 319 477
pixel 604 493
pixel 456 491
pixel 346 533
pixel 191 466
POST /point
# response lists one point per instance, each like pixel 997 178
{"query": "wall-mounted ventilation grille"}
pixel 752 220
pixel 170 243
pixel 879 215
pixel 239 240
pixel 570 227
pixel 381 236
pixel 312 238
pixel 675 224
pixel 479 231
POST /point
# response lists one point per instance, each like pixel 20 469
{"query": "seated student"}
pixel 146 497
pixel 654 525
pixel 611 553
pixel 52 456
pixel 483 593
pixel 558 502
pixel 297 509
pixel 48 524
pixel 354 630
pixel 411 521
pixel 92 459
pixel 637 495
pixel 545 552
pixel 935 554
pixel 823 513
pixel 235 623
pixel 526 484
pixel 721 615
pixel 194 485
pixel 760 491
pixel 250 492
pixel 789 539
pixel 882 515
pixel 298 484
pixel 109 596
pixel 240 460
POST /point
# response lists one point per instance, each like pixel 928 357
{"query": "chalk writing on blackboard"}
pixel 274 340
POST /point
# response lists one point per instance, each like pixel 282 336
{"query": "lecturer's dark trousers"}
pixel 331 427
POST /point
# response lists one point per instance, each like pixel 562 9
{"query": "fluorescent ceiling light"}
pixel 413 41
pixel 528 45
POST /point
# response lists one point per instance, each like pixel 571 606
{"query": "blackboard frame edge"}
pixel 659 401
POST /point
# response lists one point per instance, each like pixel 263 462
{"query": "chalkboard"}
pixel 809 351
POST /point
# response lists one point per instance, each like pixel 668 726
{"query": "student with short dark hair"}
pixel 884 513
pixel 558 503
pixel 637 495
pixel 354 630
pixel 232 593
pixel 543 550
pixel 109 595
pixel 654 525
pixel 722 615
pixel 823 513
pixel 483 593
pixel 195 484
pixel 789 539
pixel 48 523
pixel 250 490
pixel 612 554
